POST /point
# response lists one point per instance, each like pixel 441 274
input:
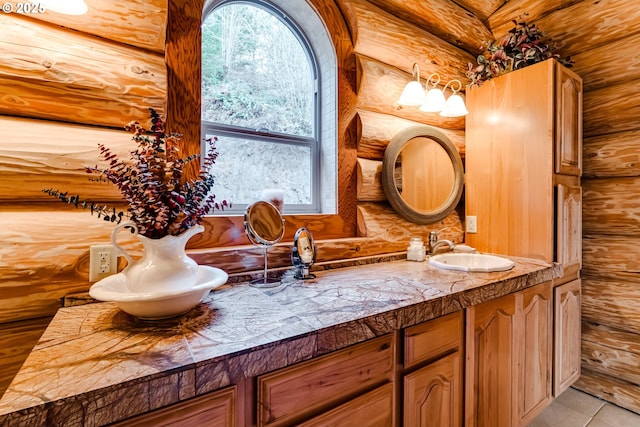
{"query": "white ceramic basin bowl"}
pixel 157 305
pixel 471 262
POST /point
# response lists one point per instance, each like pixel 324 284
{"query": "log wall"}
pixel 601 38
pixel 70 83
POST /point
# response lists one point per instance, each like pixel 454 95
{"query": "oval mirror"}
pixel 263 223
pixel 422 174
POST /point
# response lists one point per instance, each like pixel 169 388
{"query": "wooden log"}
pixel 500 22
pixel 600 23
pixel 334 19
pixel 611 302
pixel 602 66
pixel 618 392
pixel 386 233
pixel 615 155
pixel 601 105
pixel 376 130
pixel 444 19
pixel 140 23
pixel 183 52
pixel 481 8
pixel 610 205
pixel 369 184
pixel 611 256
pixel 101 82
pixel 388 39
pixel 387 226
pixel 16 342
pixel 36 154
pixel 380 86
pixel 611 337
pixel 611 352
pixel 45 256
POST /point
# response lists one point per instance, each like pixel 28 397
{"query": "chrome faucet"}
pixel 435 243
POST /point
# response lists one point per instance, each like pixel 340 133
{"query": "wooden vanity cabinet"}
pixel 433 374
pixel 328 387
pixel 509 358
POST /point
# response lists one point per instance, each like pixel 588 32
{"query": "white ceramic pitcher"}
pixel 164 266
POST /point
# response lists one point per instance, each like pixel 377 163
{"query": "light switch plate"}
pixel 472 224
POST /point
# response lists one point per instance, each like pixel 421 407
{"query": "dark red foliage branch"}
pixel 161 202
pixel 525 44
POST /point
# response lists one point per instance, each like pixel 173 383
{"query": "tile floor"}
pixel 574 408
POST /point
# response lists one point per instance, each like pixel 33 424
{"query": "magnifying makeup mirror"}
pixel 303 254
pixel 264 227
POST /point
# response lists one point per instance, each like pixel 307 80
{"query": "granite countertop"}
pixel 96 364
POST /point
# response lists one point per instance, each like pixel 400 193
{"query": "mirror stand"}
pixel 264 226
pixel 265 281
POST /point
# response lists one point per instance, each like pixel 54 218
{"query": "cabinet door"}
pixel 567 335
pixel 569 227
pixel 491 363
pixel 433 394
pixel 216 409
pixel 373 409
pixel 568 131
pixel 534 341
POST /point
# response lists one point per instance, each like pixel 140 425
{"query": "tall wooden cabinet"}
pixel 523 164
pixel 522 182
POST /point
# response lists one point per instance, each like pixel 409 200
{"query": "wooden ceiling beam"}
pixel 444 19
pixel 500 22
pixel 483 9
pixel 388 39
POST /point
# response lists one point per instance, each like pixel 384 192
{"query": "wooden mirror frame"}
pixel 397 143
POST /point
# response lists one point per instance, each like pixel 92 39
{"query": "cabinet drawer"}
pixel 295 393
pixel 432 339
pixel 216 409
pixel 373 409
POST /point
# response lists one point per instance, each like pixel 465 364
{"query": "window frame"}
pixel 183 59
pixel 313 142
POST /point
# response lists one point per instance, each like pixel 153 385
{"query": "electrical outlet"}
pixel 103 262
pixel 472 224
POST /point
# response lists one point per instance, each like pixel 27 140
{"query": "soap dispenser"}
pixel 416 250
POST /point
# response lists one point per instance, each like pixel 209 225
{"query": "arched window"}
pixel 269 96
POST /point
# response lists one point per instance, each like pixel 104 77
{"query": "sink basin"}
pixel 162 304
pixel 471 262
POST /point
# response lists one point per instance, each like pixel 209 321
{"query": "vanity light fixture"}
pixel 434 100
pixel 413 93
pixel 66 7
